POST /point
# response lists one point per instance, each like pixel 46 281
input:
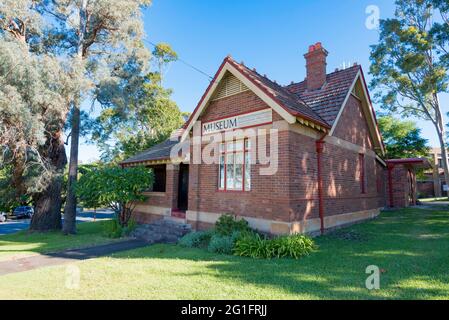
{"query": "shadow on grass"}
pixel 24 242
pixel 409 246
pixel 412 266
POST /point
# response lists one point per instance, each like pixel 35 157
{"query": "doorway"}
pixel 183 187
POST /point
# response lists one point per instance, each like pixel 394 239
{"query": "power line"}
pixel 185 63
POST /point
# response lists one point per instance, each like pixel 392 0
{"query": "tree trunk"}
pixel 441 132
pixel 444 156
pixel 47 212
pixel 70 204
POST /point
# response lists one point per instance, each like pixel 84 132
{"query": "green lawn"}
pixel 24 244
pixel 444 199
pixel 411 246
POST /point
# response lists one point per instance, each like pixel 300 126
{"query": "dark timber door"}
pixel 183 188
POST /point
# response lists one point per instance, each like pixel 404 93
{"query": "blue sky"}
pixel 269 35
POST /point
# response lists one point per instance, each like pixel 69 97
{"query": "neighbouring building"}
pixel 322 138
pixel 432 181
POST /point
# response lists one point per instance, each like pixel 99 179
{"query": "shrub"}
pixel 227 225
pixel 126 231
pixel 114 230
pixel 198 239
pixel 223 244
pixel 253 245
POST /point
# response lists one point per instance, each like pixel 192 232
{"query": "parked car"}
pixel 3 217
pixel 22 212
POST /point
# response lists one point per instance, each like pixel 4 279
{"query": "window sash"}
pixel 234 169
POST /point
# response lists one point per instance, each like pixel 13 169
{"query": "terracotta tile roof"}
pixel 327 101
pixel 291 102
pixel 320 106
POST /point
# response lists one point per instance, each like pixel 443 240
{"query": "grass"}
pixel 24 243
pixel 410 246
pixel 434 199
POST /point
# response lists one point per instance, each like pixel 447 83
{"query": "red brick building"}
pixel 322 138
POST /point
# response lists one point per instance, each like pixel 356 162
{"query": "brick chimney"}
pixel 316 66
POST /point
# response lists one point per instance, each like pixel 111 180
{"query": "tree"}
pixel 35 91
pixel 101 36
pixel 136 117
pixel 409 64
pixel 151 120
pixel 116 188
pixel 402 138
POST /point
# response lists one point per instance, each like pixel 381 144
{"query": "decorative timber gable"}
pixel 229 86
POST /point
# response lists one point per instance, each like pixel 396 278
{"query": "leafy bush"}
pixel 199 239
pixel 116 188
pixel 114 230
pixel 253 245
pixel 223 244
pixel 227 225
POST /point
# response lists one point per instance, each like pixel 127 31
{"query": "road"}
pixel 12 226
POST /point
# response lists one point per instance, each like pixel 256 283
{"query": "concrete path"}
pixel 68 256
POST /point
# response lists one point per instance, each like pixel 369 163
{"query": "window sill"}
pixel 234 191
pixel 154 194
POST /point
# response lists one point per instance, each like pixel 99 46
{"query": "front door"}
pixel 183 187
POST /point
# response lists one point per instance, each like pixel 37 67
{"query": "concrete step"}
pixel 176 220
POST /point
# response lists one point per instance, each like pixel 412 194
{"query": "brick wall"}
pixel 426 189
pixel 352 125
pixel 291 194
pixel 167 199
pixel 403 178
pixel 269 195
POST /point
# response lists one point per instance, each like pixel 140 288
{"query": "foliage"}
pixel 115 230
pixel 124 130
pixel 100 37
pixel 253 245
pixel 119 189
pixel 228 224
pixel 402 138
pixel 36 89
pixel 409 65
pixel 198 239
pixel 223 244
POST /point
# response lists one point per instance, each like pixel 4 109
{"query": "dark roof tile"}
pixel 327 101
pixel 160 151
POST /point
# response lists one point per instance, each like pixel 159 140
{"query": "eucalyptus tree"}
pixel 402 138
pixel 409 65
pixel 101 35
pixel 138 111
pixel 35 91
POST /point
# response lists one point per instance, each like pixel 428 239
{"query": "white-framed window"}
pixel 234 170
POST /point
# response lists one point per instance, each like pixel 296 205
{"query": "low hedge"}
pixel 232 236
